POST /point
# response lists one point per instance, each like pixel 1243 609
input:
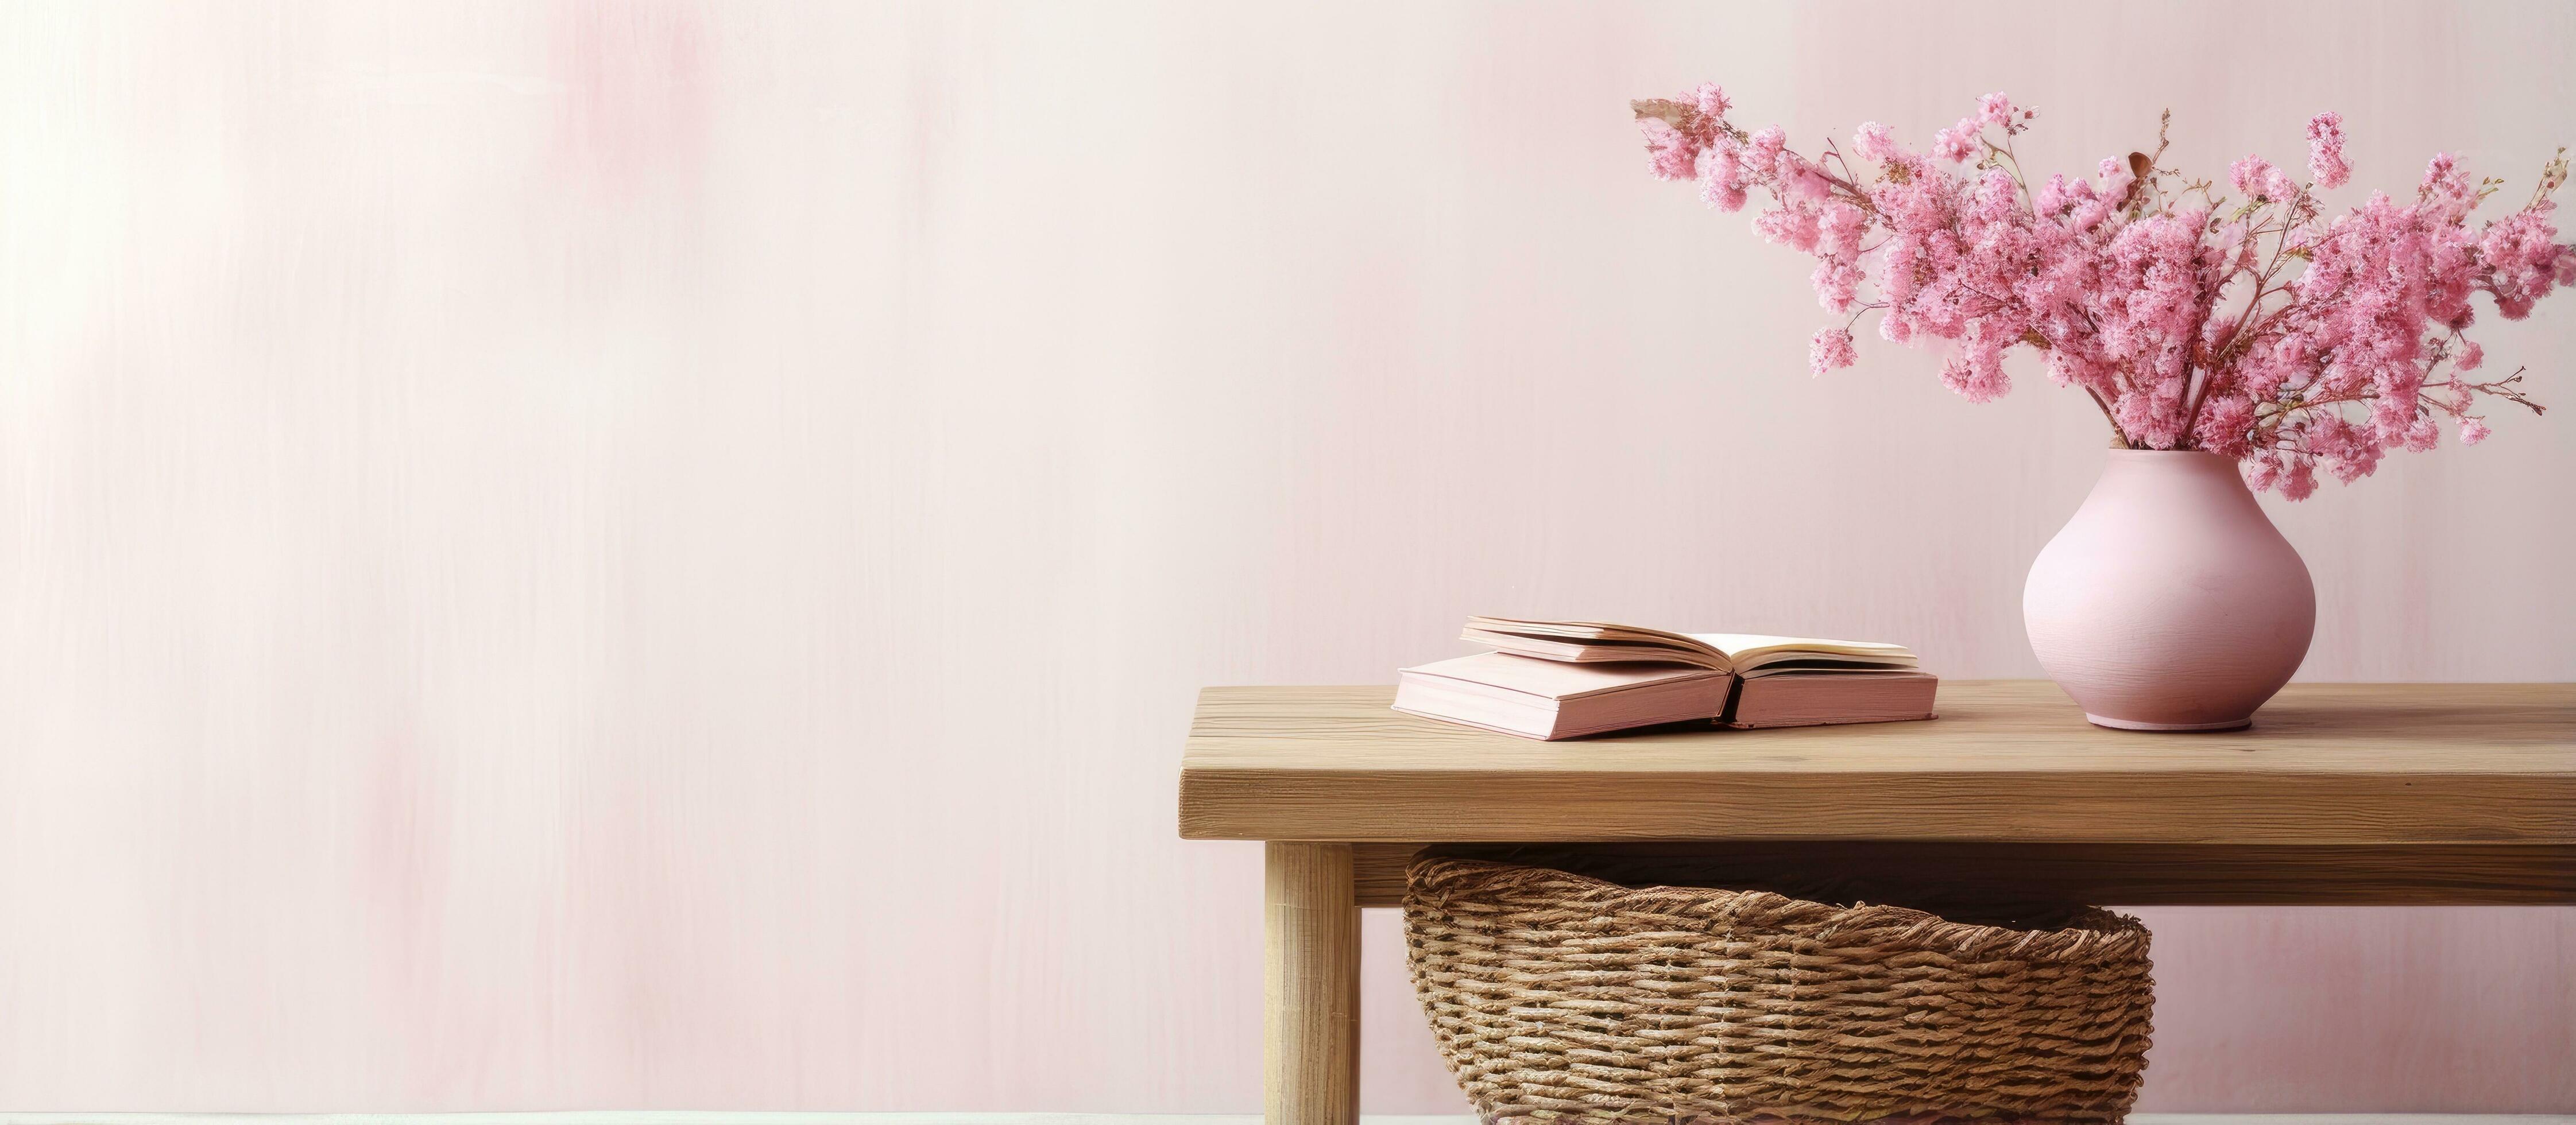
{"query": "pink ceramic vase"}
pixel 2169 602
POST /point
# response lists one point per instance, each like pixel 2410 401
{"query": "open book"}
pixel 1567 679
pixel 1744 654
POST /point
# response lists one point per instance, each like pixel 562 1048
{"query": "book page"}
pixel 1686 647
pixel 1588 641
pixel 1586 652
pixel 1750 651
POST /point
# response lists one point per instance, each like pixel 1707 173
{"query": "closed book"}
pixel 1810 699
pixel 1550 699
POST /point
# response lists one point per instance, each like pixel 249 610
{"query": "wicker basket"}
pixel 1555 995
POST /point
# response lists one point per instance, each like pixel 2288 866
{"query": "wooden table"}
pixel 2341 793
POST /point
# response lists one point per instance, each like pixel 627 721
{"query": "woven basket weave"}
pixel 1554 995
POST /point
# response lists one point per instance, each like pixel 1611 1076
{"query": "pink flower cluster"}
pixel 2253 326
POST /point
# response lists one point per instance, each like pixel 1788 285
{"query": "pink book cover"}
pixel 1548 699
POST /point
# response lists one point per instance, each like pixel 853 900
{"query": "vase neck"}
pixel 2173 472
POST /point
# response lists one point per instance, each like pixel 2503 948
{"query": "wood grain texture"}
pixel 1931 872
pixel 2008 760
pixel 1311 1041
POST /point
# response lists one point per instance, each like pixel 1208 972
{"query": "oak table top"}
pixel 2008 760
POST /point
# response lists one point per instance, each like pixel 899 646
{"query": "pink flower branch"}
pixel 2264 331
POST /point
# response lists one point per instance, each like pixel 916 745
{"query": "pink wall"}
pixel 658 555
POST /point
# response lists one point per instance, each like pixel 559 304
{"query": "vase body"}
pixel 2169 602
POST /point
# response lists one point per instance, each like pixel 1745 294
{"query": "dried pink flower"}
pixel 1995 109
pixel 2299 480
pixel 1763 149
pixel 2249 174
pixel 2325 150
pixel 1795 228
pixel 1669 154
pixel 2261 472
pixel 1873 141
pixel 1721 182
pixel 1830 350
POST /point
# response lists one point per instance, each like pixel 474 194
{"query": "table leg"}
pixel 1311 1019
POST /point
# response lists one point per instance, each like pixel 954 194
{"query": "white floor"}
pixel 653 1117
